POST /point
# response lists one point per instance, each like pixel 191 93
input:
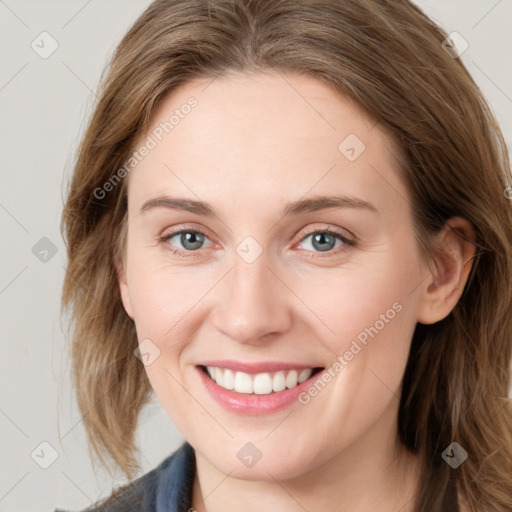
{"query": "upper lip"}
pixel 253 367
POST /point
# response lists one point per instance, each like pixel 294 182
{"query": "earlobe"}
pixel 452 264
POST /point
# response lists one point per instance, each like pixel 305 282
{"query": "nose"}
pixel 255 303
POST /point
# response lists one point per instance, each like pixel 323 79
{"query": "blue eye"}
pixel 191 240
pixel 325 241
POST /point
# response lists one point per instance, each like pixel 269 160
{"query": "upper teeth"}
pixel 261 383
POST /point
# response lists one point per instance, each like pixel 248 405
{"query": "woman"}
pixel 231 142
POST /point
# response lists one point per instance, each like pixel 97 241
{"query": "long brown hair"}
pixel 386 56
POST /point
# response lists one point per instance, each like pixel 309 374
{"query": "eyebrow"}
pixel 294 208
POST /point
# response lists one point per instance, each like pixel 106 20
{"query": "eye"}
pixel 190 239
pixel 321 241
pixel 326 240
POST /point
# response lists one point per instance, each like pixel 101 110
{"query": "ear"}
pixel 453 259
pixel 123 287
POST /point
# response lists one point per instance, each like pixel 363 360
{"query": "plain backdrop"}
pixel 44 104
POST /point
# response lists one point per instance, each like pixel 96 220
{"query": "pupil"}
pixel 320 238
pixel 191 238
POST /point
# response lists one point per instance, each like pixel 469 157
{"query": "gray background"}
pixel 44 104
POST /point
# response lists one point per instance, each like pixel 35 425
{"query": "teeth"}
pixel 262 384
pixel 259 384
pixel 279 381
pixel 291 379
pixel 304 375
pixel 229 379
pixel 243 382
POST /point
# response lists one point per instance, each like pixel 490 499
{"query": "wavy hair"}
pixel 387 57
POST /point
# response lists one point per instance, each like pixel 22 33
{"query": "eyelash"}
pixel 193 254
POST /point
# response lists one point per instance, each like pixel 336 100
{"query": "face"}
pixel 266 272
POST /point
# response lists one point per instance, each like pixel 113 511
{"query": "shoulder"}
pixel 170 482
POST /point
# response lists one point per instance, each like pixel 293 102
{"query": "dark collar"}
pixel 176 479
pixel 166 488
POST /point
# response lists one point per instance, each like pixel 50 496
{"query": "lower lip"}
pixel 254 405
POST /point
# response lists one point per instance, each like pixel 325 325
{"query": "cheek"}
pixel 361 303
pixel 163 300
pixel 369 315
pixel 169 302
pixel 368 319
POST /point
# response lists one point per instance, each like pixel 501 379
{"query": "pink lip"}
pixel 253 368
pixel 253 405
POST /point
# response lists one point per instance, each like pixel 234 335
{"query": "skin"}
pixel 255 142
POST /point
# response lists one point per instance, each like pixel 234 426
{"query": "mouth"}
pixel 264 383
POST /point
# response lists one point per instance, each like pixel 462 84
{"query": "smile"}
pixel 261 383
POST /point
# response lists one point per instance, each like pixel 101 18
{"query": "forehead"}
pixel 244 140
